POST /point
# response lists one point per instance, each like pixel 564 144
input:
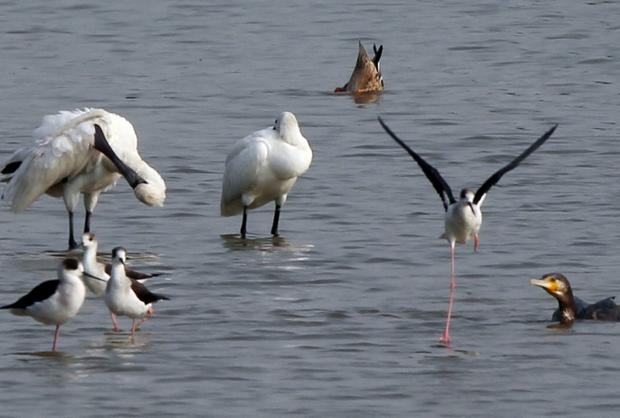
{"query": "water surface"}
pixel 341 315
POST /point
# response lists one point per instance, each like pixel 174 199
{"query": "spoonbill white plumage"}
pixel 125 296
pixel 366 76
pixel 463 217
pixel 80 152
pixel 263 167
pixel 54 302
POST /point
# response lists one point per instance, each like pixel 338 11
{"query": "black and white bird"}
pixel 128 297
pixel 98 272
pixel 54 302
pixel 463 217
pixel 80 153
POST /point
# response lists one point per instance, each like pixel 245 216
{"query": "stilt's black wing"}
pixel 144 294
pixel 132 274
pixel 440 185
pixel 491 181
pixel 39 293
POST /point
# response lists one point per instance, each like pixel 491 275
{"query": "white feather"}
pixel 264 166
pixel 63 162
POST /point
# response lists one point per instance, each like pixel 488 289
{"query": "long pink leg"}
pixel 149 315
pixel 445 339
pixel 115 322
pixel 133 327
pixel 56 334
pixel 476 242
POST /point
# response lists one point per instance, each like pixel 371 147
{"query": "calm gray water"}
pixel 341 316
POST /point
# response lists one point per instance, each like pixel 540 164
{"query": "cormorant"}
pixel 570 307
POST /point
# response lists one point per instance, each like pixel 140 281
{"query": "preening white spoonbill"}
pixel 366 77
pixel 263 167
pixel 125 296
pixel 80 152
pixel 463 217
pixel 54 302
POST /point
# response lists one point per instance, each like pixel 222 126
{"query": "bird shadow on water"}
pixel 235 242
pixel 267 245
pixel 52 356
pixel 451 351
pixel 125 342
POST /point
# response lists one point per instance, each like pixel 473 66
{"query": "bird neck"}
pixel 90 255
pixel 70 279
pixel 291 134
pixel 567 308
pixel 117 273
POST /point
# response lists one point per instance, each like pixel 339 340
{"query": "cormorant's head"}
pixel 555 284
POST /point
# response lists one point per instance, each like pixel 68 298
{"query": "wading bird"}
pixel 100 270
pixel 128 297
pixel 80 152
pixel 263 167
pixel 54 302
pixel 463 217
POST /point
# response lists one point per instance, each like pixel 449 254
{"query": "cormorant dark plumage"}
pixel 570 307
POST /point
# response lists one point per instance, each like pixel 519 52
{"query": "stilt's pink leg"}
pixel 476 242
pixel 115 322
pixel 445 339
pixel 149 315
pixel 133 327
pixel 56 334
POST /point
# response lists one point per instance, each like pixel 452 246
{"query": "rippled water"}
pixel 342 314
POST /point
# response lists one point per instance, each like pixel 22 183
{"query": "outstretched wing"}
pixel 491 181
pixel 431 173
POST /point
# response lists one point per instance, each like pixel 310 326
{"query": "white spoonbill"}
pixel 125 296
pixel 263 167
pixel 54 302
pixel 463 217
pixel 68 159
